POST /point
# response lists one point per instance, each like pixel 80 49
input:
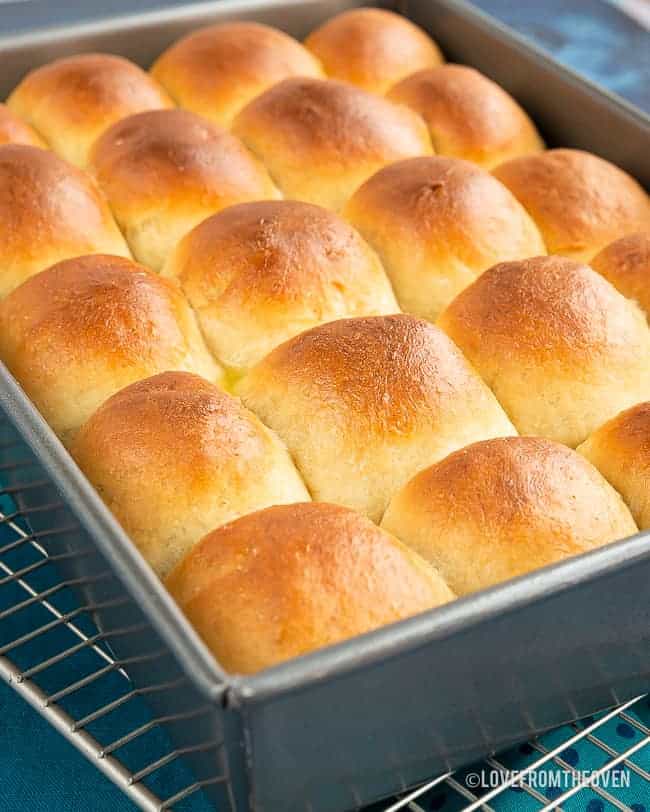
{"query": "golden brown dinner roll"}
pixel 620 449
pixel 259 273
pixel 501 508
pixel 320 139
pixel 49 211
pixel 436 224
pixel 561 349
pixel 469 116
pixel 166 170
pixel 13 130
pixel 626 264
pixel 174 457
pixel 372 48
pixel 363 404
pixel 79 331
pixel 216 71
pixel 71 101
pixel 580 202
pixel 290 579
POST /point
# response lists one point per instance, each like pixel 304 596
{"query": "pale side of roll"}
pixel 626 264
pixel 620 449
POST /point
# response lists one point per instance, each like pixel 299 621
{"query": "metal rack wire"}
pixel 52 654
pixel 48 639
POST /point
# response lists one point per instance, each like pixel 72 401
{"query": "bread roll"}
pixel 216 71
pixel 626 264
pixel 580 202
pixel 79 331
pixel 559 346
pixel 14 130
pixel 363 404
pixel 320 139
pixel 71 101
pixel 372 48
pixel 436 224
pixel 259 273
pixel 174 457
pixel 165 171
pixel 468 115
pixel 290 579
pixel 49 211
pixel 620 449
pixel 501 508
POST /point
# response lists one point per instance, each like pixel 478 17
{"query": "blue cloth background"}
pixel 39 770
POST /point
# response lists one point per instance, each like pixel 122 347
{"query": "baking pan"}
pixel 347 725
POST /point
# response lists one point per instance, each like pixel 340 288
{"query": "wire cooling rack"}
pixel 52 654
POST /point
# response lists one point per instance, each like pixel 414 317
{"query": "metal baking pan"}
pixel 347 725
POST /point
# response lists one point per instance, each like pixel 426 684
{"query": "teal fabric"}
pixel 41 772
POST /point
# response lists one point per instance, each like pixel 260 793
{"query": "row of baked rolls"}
pixel 173 455
pixel 362 404
pixel 562 350
pixel 436 223
pixel 74 100
pixel 163 171
pixel 256 274
pixel 387 390
pixel 285 581
pixel 217 70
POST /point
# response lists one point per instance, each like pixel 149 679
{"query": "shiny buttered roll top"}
pixel 49 211
pixel 364 403
pixel 257 274
pixel 71 101
pixel 217 70
pixel 501 508
pixel 290 579
pixel 165 171
pixel 372 48
pixel 468 115
pixel 436 224
pixel 321 139
pixel 562 350
pixel 81 330
pixel 579 201
pixel 174 457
